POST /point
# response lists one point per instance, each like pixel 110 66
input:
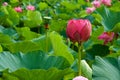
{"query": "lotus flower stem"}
pixel 46 41
pixel 79 58
pixel 39 29
pixel 73 46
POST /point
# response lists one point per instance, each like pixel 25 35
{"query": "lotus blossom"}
pixel 90 10
pixel 5 4
pixel 79 30
pixel 80 78
pixel 96 3
pixel 18 9
pixel 107 37
pixel 30 7
pixel 106 2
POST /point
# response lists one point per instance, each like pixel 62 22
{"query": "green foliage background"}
pixel 29 51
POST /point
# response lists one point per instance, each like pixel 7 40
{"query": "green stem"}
pixel 39 29
pixel 46 41
pixel 79 58
pixel 72 46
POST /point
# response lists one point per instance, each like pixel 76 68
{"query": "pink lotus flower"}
pixel 80 78
pixel 107 37
pixel 106 2
pixel 90 10
pixel 30 7
pixel 79 30
pixel 5 4
pixel 96 3
pixel 18 9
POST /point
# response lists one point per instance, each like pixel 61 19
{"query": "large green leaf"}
pixel 36 74
pixel 5 39
pixel 106 69
pixel 116 46
pixel 26 45
pixel 31 60
pixel 6 76
pixel 43 43
pixel 33 66
pixel 12 17
pixel 116 6
pixel 95 33
pixel 8 31
pixel 7 35
pixel 109 18
pixel 97 49
pixel 86 70
pixel 33 19
pixel 43 5
pixel 23 46
pixel 55 27
pixel 70 5
pixel 1 49
pixel 26 34
pixel 14 1
pixel 32 40
pixel 60 49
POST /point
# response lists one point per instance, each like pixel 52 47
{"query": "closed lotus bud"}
pixel 80 78
pixel 106 2
pixel 79 30
pixel 5 4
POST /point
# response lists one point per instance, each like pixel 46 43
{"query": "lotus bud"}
pixel 79 30
pixel 5 4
